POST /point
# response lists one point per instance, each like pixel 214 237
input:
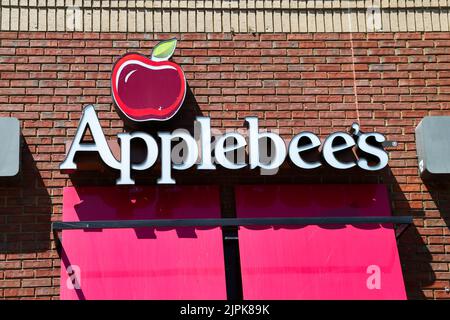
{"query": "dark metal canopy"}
pixel 401 223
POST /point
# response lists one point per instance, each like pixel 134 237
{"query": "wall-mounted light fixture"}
pixel 10 147
pixel 433 146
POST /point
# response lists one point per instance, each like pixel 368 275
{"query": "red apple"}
pixel 149 88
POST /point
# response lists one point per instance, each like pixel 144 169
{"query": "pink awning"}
pixel 318 261
pixel 142 263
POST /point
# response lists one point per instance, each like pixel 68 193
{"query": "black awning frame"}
pixel 401 223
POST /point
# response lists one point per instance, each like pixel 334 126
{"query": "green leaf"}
pixel 164 50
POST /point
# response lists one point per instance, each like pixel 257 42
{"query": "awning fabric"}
pixel 318 261
pixel 142 263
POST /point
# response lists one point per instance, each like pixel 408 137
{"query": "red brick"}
pixel 16 293
pixel 9 283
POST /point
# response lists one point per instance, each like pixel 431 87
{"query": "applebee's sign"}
pixel 154 89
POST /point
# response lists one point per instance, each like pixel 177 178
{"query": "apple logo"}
pixel 145 88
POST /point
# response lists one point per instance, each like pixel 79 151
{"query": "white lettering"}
pixel 221 150
pixel 166 161
pixel 379 153
pixel 295 150
pixel 125 152
pixel 330 148
pixel 89 120
pixel 205 146
pixel 189 152
pixel 254 146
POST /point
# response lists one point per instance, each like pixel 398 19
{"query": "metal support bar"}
pixel 226 222
pixel 403 221
pixel 57 239
pixel 400 229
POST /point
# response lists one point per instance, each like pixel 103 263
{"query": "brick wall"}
pixel 292 82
